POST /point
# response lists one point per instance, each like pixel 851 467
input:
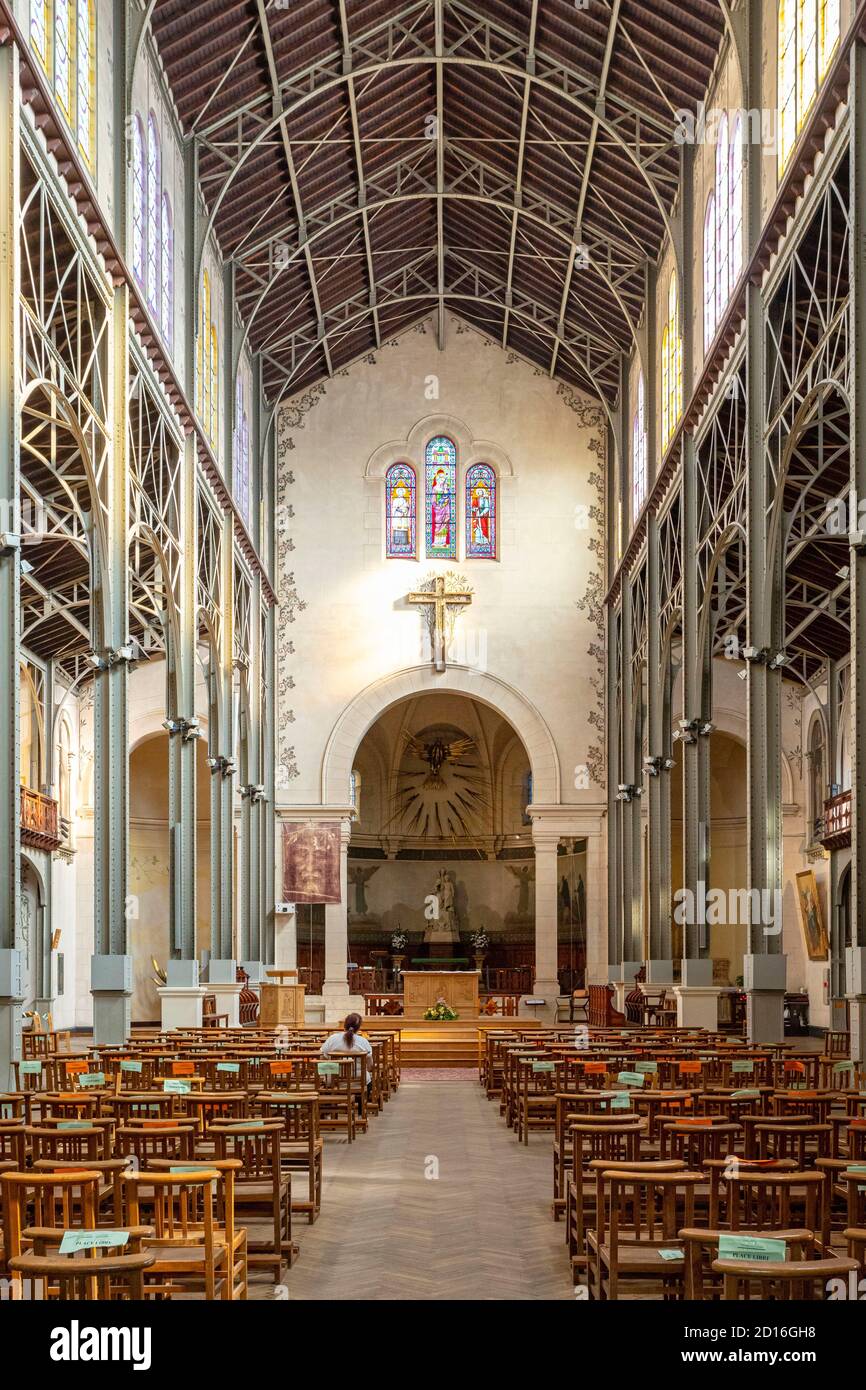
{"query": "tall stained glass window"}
pixel 63 83
pixel 139 201
pixel 808 34
pixel 40 27
pixel 400 512
pixel 167 271
pixel 154 182
pixel 672 365
pixel 85 76
pixel 638 453
pixel 441 499
pixel 481 512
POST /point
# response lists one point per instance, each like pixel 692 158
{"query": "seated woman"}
pixel 350 1040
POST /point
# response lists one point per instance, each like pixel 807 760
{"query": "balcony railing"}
pixel 40 821
pixel 836 828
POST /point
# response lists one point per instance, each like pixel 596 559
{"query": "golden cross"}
pixel 438 600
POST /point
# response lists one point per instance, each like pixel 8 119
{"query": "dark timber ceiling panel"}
pixel 366 162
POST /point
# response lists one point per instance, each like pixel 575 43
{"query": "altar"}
pixel 422 988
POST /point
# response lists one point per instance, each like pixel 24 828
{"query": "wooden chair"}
pixel 694 1140
pixel 301 1148
pixel 795 1281
pixel 701 1248
pixel 39 1207
pixel 338 1109
pixel 611 1143
pixel 537 1082
pixel 638 1215
pixel 192 1250
pixel 98 1275
pixel 803 1142
pixel 262 1189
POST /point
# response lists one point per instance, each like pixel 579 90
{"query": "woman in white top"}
pixel 350 1041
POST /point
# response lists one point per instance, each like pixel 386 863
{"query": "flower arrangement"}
pixel 399 940
pixel 440 1013
pixel 479 941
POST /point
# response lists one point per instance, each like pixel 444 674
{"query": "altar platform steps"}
pixel 430 1048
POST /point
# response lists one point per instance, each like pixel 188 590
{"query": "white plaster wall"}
pixel 533 617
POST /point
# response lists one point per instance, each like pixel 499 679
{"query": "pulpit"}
pixel 282 1000
pixel 422 988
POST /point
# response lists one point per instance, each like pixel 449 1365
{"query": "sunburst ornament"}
pixel 446 798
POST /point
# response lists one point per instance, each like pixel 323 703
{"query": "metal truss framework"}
pixel 521 161
pixel 752 554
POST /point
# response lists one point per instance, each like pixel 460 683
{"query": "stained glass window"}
pixel 441 494
pixel 241 480
pixel 723 227
pixel 710 271
pixel 807 56
pixel 723 219
pixel 203 352
pixel 154 181
pixel 829 28
pixel 736 187
pixel 213 386
pixel 808 34
pixel 672 366
pixel 40 22
pixel 400 512
pixel 481 512
pixel 638 452
pixel 85 76
pixel 63 85
pixel 139 200
pixel 167 271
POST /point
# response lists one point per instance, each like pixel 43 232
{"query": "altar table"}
pixel 422 988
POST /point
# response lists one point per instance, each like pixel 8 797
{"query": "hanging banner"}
pixel 311 862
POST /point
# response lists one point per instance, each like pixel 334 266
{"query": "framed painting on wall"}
pixel 811 916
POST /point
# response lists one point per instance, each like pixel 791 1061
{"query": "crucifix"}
pixel 437 602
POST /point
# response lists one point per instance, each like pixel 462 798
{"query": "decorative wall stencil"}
pixel 591 416
pixel 311 863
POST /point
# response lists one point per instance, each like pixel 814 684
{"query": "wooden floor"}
pixel 482 1230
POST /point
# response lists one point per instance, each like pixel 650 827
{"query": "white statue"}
pixel 445 925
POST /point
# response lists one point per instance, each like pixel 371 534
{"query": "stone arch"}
pixel 362 712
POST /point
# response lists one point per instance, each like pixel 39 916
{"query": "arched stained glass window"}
pixel 723 227
pixel 672 365
pixel 63 74
pixel 638 452
pixel 139 201
pixel 400 512
pixel 441 499
pixel 167 271
pixel 85 66
pixel 154 210
pixel 481 508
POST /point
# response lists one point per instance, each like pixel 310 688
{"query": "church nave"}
pixel 479 1230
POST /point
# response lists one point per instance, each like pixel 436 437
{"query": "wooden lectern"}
pixel 282 1004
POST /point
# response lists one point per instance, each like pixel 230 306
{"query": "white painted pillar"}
pixel 335 990
pixel 596 911
pixel 286 940
pixel 545 981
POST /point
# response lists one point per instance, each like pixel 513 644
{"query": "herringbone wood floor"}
pixel 482 1230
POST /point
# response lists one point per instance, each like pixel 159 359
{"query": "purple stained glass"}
pixel 441 494
pixel 400 512
pixel 481 512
